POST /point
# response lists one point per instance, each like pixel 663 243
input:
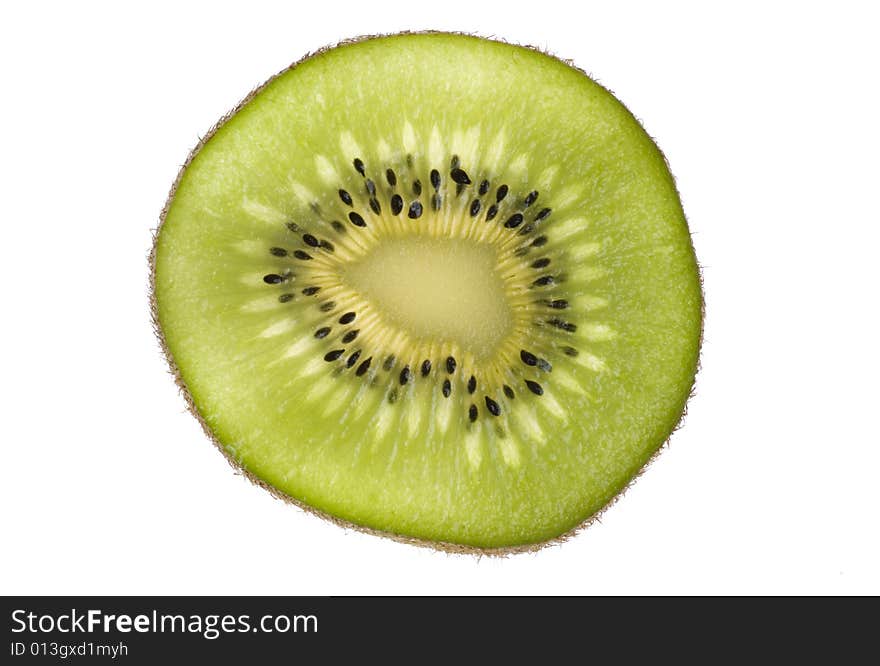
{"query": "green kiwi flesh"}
pixel 433 286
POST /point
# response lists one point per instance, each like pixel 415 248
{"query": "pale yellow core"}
pixel 436 289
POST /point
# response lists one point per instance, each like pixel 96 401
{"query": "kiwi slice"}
pixel 432 286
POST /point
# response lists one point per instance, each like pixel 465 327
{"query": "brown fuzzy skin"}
pixel 443 546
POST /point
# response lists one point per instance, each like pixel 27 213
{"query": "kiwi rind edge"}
pixel 442 546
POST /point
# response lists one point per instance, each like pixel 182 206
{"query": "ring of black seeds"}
pixel 415 210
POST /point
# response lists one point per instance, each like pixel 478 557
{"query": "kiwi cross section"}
pixel 432 286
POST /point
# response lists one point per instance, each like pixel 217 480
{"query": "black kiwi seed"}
pixel 389 363
pixel 417 187
pixel 329 305
pixel 561 324
pixel 521 251
pixel 541 263
pixel 278 251
pixel 415 210
pixel 528 357
pixel 491 213
pixel 322 332
pixel 459 188
pixel 333 355
pixel 356 219
pixel 350 336
pixel 396 204
pixel 392 396
pixel 363 367
pixel 514 221
pixel 543 214
pixel 453 164
pixel 509 392
pixel 347 318
pixel 558 304
pixel 501 193
pixel 526 230
pixel 447 388
pixel 435 179
pixel 359 166
pixel 570 351
pixel 311 291
pixel 475 207
pixel 391 177
pixel 310 240
pixel 436 200
pixel 405 375
pixel 484 187
pixel 543 281
pixel 272 278
pixel 460 176
pixel 338 227
pixel 531 198
pixel 353 359
pixel 534 387
pixel 493 407
pixel 472 384
pixel 450 365
pixel 539 241
pixel 346 197
pixel 544 364
pixel 426 368
pixel 294 227
pixel 326 245
pixel 285 298
pixel 301 255
pixel 374 205
pixel 472 413
pixel 371 187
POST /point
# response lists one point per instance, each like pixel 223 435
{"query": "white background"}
pixel 768 114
